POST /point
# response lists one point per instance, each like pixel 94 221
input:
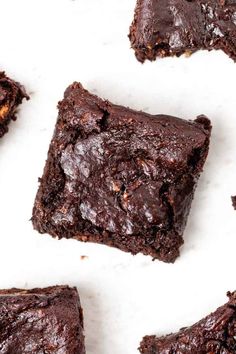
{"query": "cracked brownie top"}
pixel 120 177
pixel 173 27
pixel 215 334
pixel 41 321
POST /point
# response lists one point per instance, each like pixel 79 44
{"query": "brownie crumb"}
pixel 164 28
pixel 83 258
pixel 11 96
pixel 214 334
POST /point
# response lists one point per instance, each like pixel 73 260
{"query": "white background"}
pixel 46 45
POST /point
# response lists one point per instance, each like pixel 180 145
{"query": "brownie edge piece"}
pixel 11 96
pixel 120 177
pixel 173 27
pixel 38 321
pixel 215 334
pixel 234 202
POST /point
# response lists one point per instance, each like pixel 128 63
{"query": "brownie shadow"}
pixel 93 321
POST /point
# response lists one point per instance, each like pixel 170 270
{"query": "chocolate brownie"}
pixel 11 95
pixel 120 177
pixel 172 27
pixel 234 201
pixel 41 321
pixel 215 334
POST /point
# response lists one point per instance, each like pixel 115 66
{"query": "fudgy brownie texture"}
pixel 215 334
pixel 11 95
pixel 234 201
pixel 172 27
pixel 120 177
pixel 41 321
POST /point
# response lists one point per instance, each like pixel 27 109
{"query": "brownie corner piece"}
pixel 164 28
pixel 37 321
pixel 120 177
pixel 214 334
pixel 11 96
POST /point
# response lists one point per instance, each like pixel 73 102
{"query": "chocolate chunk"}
pixel 11 96
pixel 234 201
pixel 120 177
pixel 41 321
pixel 172 27
pixel 215 334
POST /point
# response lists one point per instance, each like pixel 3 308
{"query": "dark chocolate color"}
pixel 172 27
pixel 11 95
pixel 234 201
pixel 41 321
pixel 215 334
pixel 120 177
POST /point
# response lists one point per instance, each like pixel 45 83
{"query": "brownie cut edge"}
pixel 120 177
pixel 214 334
pixel 48 320
pixel 11 96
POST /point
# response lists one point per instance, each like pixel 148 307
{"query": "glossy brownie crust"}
pixel 172 27
pixel 120 177
pixel 41 321
pixel 215 334
pixel 11 95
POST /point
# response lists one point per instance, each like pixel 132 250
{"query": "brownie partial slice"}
pixel 234 202
pixel 120 177
pixel 172 27
pixel 41 321
pixel 11 96
pixel 215 334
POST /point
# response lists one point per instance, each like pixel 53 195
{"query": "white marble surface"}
pixel 48 44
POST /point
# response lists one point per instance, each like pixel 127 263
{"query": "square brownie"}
pixel 172 27
pixel 120 177
pixel 215 334
pixel 41 321
pixel 234 202
pixel 11 96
